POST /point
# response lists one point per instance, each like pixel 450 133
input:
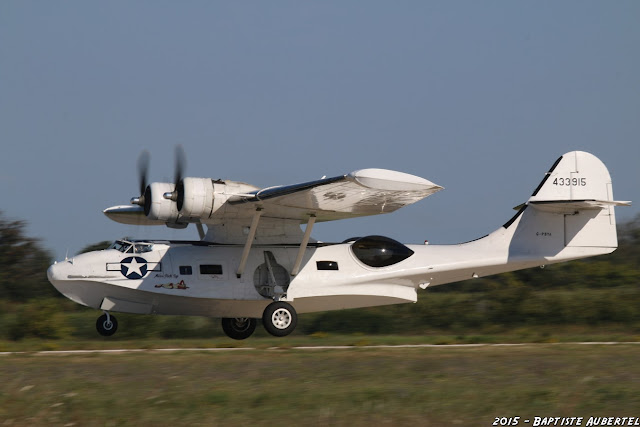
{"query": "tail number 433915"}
pixel 576 182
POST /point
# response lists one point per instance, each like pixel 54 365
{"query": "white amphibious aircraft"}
pixel 255 261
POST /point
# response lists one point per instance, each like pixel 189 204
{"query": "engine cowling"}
pixel 156 207
pixel 196 199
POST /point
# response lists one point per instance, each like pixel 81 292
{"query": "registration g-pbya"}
pixel 255 261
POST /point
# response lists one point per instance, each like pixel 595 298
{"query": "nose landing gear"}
pixel 107 324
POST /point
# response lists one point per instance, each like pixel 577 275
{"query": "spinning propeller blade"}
pixel 177 195
pixel 143 171
pixel 181 163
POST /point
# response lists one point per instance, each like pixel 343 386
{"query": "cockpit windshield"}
pixel 127 247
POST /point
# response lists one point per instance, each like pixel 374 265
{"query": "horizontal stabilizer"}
pixel 571 206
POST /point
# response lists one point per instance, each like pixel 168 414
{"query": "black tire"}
pixel 279 319
pixel 107 326
pixel 239 328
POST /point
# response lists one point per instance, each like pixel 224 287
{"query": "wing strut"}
pixel 200 230
pixel 249 242
pixel 303 245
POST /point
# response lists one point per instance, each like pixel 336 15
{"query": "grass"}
pixel 540 334
pixel 358 386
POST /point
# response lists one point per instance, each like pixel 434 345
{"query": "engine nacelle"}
pixel 196 199
pixel 156 207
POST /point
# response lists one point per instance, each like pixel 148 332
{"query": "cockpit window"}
pixel 380 251
pixel 128 247
pixel 122 246
pixel 141 248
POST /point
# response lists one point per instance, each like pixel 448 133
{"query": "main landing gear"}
pixel 107 325
pixel 279 319
pixel 238 328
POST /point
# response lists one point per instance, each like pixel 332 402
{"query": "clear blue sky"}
pixel 479 97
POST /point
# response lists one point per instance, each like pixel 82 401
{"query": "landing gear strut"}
pixel 107 325
pixel 279 318
pixel 238 328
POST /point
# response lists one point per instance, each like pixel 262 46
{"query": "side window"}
pixel 210 269
pixel 327 265
pixel 186 270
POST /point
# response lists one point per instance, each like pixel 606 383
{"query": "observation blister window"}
pixel 380 251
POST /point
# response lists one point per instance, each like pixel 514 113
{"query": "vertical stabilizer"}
pixel 570 214
pixel 575 176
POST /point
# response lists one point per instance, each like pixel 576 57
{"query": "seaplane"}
pixel 256 259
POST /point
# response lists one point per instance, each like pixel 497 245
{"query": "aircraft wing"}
pixel 360 193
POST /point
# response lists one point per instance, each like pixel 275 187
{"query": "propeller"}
pixel 177 195
pixel 181 163
pixel 143 171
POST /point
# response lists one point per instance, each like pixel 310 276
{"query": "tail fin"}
pixel 571 213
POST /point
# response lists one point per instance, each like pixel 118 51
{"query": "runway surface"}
pixel 303 348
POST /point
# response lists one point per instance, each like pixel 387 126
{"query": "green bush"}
pixel 38 319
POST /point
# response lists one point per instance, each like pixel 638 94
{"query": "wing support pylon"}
pixel 303 245
pixel 247 246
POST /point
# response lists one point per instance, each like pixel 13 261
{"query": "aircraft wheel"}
pixel 238 328
pixel 107 325
pixel 279 319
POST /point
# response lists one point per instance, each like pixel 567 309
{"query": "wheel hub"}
pixel 241 324
pixel 281 318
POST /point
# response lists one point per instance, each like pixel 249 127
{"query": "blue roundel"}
pixel 133 267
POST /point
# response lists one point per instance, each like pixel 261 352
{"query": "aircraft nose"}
pixel 54 273
pixel 51 273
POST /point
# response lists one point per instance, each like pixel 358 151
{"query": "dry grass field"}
pixel 467 386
